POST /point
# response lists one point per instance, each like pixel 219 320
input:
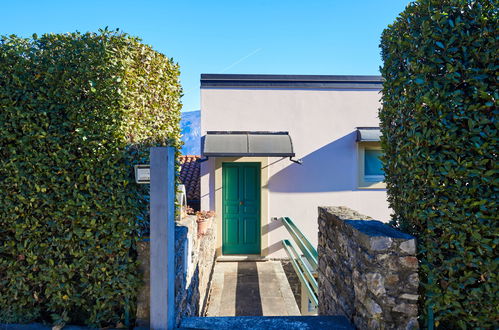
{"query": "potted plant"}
pixel 188 211
pixel 203 221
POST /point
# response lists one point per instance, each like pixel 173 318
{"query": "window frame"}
pixel 361 182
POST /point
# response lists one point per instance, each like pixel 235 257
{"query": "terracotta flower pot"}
pixel 203 226
pixel 203 220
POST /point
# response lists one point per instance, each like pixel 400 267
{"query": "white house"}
pixel 255 129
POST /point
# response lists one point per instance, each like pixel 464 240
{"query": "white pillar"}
pixel 162 227
pixel 306 307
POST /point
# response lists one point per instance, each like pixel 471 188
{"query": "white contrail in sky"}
pixel 241 59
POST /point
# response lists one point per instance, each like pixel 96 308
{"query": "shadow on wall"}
pixel 209 170
pixel 333 167
pixel 268 228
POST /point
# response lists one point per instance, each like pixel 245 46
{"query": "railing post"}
pixel 306 306
pixel 162 227
pixel 304 300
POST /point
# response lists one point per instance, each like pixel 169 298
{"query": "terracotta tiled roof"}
pixel 190 176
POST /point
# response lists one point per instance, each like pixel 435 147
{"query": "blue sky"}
pixel 237 36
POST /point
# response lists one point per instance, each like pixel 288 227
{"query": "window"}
pixel 373 168
pixel 371 173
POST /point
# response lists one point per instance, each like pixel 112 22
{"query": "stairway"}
pixel 248 288
pixel 256 295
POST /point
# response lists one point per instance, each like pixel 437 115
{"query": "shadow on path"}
pixel 248 299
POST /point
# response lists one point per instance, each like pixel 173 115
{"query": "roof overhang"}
pixel 247 144
pixel 368 134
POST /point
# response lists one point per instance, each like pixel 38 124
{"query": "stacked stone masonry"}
pixel 194 261
pixel 368 271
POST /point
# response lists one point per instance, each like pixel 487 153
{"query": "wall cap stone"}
pixel 374 234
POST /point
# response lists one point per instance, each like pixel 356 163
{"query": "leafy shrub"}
pixel 76 112
pixel 439 124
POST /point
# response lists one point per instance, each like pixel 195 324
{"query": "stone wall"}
pixel 368 271
pixel 194 261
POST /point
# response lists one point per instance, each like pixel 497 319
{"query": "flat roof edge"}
pixel 282 77
pixel 290 81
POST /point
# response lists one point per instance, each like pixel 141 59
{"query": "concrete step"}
pixel 237 258
pixel 267 322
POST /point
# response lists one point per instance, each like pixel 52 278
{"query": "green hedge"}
pixel 440 136
pixel 76 112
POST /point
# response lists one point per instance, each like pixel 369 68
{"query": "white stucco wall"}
pixel 322 125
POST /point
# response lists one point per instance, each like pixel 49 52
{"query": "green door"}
pixel 241 208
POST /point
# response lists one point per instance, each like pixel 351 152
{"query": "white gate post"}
pixel 162 227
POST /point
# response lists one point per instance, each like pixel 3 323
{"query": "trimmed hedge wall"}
pixel 76 112
pixel 440 137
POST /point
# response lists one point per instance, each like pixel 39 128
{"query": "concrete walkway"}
pixel 250 289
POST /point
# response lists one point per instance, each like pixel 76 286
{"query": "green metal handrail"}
pixel 298 267
pixel 305 246
pixel 305 272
